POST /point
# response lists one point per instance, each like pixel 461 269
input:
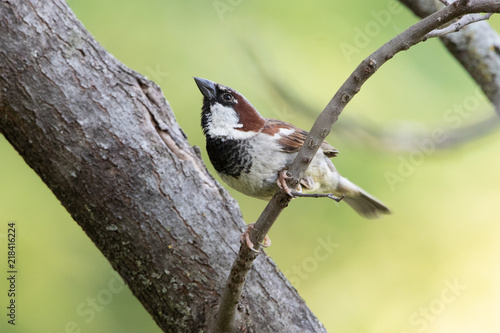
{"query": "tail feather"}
pixel 362 202
pixel 367 206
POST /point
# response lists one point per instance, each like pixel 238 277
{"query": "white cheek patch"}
pixel 224 117
pixel 224 121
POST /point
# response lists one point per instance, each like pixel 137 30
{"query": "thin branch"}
pixel 317 195
pixel 464 21
pixel 319 131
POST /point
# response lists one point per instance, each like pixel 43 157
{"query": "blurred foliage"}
pixel 389 275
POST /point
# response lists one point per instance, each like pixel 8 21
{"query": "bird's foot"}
pixel 245 239
pixel 281 181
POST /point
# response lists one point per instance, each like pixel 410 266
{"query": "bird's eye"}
pixel 227 97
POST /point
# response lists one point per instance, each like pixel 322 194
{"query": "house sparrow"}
pixel 252 153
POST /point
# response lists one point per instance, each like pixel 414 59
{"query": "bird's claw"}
pixel 266 243
pixel 281 181
pixel 245 239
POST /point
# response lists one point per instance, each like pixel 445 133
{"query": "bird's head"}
pixel 226 113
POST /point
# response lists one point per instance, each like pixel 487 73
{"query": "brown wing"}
pixel 292 142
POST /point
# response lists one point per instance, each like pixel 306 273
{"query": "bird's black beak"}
pixel 206 87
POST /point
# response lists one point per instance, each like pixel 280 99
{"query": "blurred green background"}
pixel 432 266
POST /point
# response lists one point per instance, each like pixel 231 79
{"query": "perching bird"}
pixel 250 152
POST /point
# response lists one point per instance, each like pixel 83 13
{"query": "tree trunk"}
pixel 105 141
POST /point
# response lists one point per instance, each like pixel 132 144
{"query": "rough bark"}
pixel 105 141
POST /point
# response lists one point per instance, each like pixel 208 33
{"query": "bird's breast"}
pixel 250 166
pixel 229 157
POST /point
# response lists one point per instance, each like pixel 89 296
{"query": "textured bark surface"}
pixel 106 142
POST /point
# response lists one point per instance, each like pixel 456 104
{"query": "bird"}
pixel 252 153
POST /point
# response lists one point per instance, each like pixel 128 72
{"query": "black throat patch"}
pixel 230 157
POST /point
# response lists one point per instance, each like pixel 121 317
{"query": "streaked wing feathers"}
pixel 291 143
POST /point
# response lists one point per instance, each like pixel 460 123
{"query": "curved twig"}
pixel 320 129
pixel 464 21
